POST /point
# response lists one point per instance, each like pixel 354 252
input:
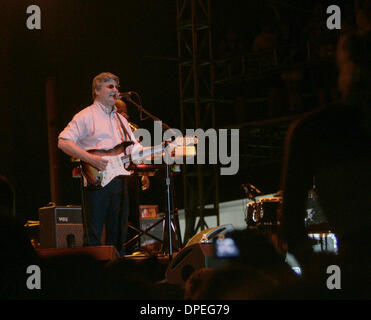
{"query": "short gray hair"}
pixel 101 78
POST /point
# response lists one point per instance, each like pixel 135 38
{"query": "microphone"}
pixel 125 94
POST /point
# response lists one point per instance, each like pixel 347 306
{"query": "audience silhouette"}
pixel 332 144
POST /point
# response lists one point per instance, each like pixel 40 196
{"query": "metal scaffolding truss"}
pixel 196 83
pixel 265 63
pixel 262 142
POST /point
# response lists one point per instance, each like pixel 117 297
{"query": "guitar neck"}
pixel 146 152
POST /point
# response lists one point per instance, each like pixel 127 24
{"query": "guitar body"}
pixel 115 167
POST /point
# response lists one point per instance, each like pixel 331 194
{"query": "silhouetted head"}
pixel 354 63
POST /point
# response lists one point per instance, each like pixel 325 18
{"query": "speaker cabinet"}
pixel 187 261
pixel 198 253
pixel 61 227
pixel 209 234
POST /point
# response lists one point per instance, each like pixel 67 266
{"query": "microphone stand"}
pixel 141 109
pixel 167 179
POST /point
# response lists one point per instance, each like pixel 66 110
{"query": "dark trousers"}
pixel 107 206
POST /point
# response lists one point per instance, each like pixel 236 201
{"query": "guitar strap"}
pixel 127 135
pixel 127 138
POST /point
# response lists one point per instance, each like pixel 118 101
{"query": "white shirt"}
pixel 96 128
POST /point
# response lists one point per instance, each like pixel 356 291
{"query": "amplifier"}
pixel 61 227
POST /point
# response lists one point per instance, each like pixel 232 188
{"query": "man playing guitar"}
pixel 93 134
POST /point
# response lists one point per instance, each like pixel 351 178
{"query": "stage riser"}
pixel 104 253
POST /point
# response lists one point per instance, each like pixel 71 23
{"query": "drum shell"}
pixel 252 211
pixel 269 212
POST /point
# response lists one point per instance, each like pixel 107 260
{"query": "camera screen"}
pixel 226 248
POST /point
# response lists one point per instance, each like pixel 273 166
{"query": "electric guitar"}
pixel 118 160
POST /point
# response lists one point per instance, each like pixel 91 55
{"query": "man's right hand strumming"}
pixel 98 162
pixel 72 149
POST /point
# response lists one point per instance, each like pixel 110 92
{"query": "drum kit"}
pixel 265 210
pixel 262 211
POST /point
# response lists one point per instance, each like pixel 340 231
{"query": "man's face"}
pixel 107 93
